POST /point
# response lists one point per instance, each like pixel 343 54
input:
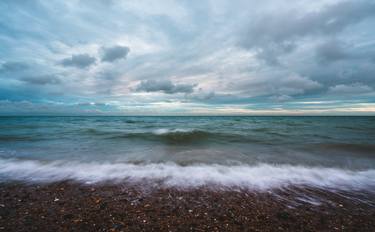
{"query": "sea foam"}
pixel 260 176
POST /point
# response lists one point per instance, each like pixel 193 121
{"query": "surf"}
pixel 261 176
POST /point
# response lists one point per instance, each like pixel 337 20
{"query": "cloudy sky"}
pixel 236 57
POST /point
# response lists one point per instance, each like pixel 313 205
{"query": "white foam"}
pixel 261 176
pixel 163 131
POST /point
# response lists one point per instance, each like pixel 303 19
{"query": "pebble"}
pixel 211 213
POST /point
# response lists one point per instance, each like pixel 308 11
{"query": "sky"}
pixel 187 57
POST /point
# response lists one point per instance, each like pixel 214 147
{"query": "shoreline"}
pixel 70 206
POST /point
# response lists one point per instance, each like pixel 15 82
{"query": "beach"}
pixel 187 174
pixel 69 206
pixel 176 116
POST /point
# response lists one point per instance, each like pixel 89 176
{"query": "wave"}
pixel 182 135
pixel 187 136
pixel 175 136
pixel 260 176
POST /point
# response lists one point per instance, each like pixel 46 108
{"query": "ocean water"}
pixel 250 152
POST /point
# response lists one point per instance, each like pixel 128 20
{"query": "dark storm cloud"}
pixel 79 61
pixel 165 86
pixel 115 53
pixel 276 33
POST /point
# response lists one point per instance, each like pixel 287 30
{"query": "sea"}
pixel 247 152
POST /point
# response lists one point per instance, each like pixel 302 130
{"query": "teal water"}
pixel 101 148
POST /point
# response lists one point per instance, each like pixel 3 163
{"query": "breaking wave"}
pixel 261 176
pixel 176 136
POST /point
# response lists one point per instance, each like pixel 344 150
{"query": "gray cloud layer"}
pixel 275 33
pixel 165 86
pixel 245 54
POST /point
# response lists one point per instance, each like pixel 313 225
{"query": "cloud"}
pixel 296 84
pixel 355 88
pixel 281 98
pixel 112 54
pixel 8 107
pixel 202 95
pixel 277 85
pixel 24 72
pixel 41 80
pixel 274 33
pixel 92 104
pixel 264 53
pixel 165 86
pixel 10 66
pixel 79 61
pixel 335 50
pixel 331 51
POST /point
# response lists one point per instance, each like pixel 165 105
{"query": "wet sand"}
pixel 68 206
